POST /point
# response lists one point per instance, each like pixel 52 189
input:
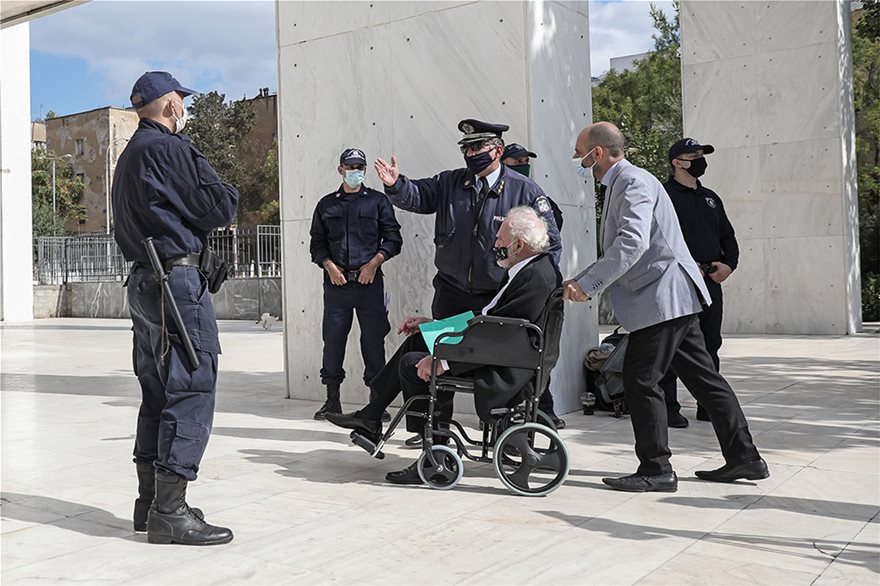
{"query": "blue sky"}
pixel 88 56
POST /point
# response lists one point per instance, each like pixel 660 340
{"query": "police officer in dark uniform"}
pixel 711 241
pixel 164 188
pixel 353 232
pixel 518 158
pixel 469 205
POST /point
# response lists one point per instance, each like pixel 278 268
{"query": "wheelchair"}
pixel 520 441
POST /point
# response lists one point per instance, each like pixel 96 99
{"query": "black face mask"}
pixel 697 168
pixel 523 169
pixel 500 253
pixel 476 164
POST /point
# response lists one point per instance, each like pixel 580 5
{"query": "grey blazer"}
pixel 645 263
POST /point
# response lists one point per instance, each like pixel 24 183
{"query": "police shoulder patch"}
pixel 710 202
pixel 542 204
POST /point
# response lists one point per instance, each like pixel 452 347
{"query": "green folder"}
pixel 457 323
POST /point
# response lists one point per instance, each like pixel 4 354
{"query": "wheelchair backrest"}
pixel 550 323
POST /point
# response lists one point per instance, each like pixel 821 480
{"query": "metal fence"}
pixel 96 257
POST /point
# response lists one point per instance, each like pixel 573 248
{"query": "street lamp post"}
pixel 54 213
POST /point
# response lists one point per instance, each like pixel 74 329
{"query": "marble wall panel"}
pixel 330 108
pixel 791 25
pixel 745 291
pixel 307 21
pixel 709 39
pixel 731 121
pixel 797 95
pixel 806 288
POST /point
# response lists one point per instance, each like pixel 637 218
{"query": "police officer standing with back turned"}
pixel 518 158
pixel 164 188
pixel 712 242
pixel 353 232
pixel 469 205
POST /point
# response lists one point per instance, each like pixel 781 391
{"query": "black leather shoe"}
pixel 702 415
pixel 326 408
pixel 386 416
pixel 677 420
pixel 559 423
pixel 642 483
pixel 413 443
pixel 756 470
pixel 409 475
pixel 352 421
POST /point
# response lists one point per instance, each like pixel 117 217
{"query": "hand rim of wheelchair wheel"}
pixel 515 475
pixel 441 479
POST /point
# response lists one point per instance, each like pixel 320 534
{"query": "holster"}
pixel 215 269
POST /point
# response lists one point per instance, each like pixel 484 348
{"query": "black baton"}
pixel 162 277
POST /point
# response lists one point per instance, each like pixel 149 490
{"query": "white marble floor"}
pixel 308 508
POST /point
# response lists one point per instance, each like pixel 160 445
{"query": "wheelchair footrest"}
pixel 367 444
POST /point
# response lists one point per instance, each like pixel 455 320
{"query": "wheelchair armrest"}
pixel 495 319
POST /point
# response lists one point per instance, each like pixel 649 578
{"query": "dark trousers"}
pixel 710 325
pixel 177 401
pixel 399 375
pixel 679 343
pixel 340 301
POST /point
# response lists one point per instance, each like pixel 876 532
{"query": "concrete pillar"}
pixel 770 85
pixel 16 234
pixel 395 78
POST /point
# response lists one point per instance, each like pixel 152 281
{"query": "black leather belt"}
pixel 184 260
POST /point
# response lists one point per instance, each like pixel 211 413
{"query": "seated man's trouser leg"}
pixel 385 386
pixel 679 343
pixel 177 408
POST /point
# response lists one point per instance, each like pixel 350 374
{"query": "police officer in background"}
pixel 518 158
pixel 712 242
pixel 353 232
pixel 469 205
pixel 164 188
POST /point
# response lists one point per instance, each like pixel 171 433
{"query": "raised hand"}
pixel 388 174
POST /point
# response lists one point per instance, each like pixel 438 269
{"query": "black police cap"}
pixel 352 157
pixel 517 151
pixel 155 84
pixel 475 130
pixel 689 145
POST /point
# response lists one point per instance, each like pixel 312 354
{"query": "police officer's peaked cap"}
pixel 475 130
pixel 517 151
pixel 155 84
pixel 689 145
pixel 352 157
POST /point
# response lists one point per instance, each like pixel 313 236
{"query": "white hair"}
pixel 528 226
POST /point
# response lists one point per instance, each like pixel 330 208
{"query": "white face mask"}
pixel 585 172
pixel 180 123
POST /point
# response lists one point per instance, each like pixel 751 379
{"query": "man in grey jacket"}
pixel 657 292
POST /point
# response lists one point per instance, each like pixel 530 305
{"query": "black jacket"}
pixel 350 228
pixel 524 298
pixel 708 233
pixel 464 235
pixel 165 188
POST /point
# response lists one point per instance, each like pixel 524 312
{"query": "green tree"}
pixel 866 97
pixel 68 194
pixel 219 129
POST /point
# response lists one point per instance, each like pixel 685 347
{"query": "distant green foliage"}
pixel 68 194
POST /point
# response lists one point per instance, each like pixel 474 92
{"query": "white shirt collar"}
pixel 611 173
pixel 492 177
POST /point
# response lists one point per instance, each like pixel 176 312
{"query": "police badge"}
pixel 542 205
pixel 710 202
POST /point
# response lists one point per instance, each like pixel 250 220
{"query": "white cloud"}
pixel 207 45
pixel 621 28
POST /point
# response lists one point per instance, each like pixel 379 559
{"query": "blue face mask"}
pixel 585 172
pixel 354 177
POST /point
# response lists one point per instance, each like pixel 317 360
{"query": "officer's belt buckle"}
pixel 185 260
pixel 351 276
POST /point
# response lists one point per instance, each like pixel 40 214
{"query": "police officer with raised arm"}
pixel 353 232
pixel 469 205
pixel 165 189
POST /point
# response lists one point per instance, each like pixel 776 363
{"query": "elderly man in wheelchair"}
pixel 503 358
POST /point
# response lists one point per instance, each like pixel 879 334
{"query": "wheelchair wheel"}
pixel 545 420
pixel 451 468
pixel 531 459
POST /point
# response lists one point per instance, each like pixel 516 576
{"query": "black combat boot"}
pixel 172 521
pixel 332 404
pixel 146 474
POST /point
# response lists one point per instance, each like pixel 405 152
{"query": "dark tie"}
pixel 600 200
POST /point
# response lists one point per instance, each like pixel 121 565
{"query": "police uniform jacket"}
pixel 350 228
pixel 165 188
pixel 465 231
pixel 707 232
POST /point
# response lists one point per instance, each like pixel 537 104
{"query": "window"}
pixel 80 147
